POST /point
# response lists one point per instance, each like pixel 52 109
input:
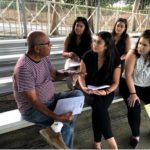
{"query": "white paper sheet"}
pixel 97 87
pixel 73 104
pixel 69 64
pixel 147 107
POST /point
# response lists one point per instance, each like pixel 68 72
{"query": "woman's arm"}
pixel 128 44
pixel 82 81
pixel 129 69
pixel 116 80
pixel 82 78
pixel 61 74
pixel 127 47
pixel 66 53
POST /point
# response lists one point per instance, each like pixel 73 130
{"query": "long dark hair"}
pixel 124 34
pixel 86 38
pixel 146 35
pixel 111 54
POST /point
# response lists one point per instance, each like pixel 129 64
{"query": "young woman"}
pixel 135 83
pixel 122 39
pixel 102 67
pixel 77 43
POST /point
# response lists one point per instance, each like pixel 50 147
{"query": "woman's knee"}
pixel 136 109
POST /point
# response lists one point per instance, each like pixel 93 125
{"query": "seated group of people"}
pixel 105 59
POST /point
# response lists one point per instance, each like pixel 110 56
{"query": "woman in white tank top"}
pixel 135 83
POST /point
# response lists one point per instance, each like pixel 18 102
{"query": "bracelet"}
pixel 132 93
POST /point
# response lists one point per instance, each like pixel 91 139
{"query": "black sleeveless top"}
pixel 80 49
pixel 95 76
pixel 121 45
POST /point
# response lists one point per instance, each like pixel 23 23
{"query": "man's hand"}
pixel 75 72
pixel 64 117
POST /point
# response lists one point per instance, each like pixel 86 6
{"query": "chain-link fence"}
pixel 18 17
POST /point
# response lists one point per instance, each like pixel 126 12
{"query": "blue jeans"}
pixel 39 118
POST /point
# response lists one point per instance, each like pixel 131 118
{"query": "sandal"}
pixel 97 145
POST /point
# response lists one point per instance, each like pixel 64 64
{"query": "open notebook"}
pixel 97 87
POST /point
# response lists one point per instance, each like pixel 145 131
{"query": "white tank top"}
pixel 141 74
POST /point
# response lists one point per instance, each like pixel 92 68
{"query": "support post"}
pixel 98 17
pixel 23 17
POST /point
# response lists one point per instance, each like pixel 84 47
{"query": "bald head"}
pixel 34 38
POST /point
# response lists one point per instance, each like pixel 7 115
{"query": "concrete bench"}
pixel 12 120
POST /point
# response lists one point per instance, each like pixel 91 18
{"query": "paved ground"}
pixel 120 129
pixel 29 138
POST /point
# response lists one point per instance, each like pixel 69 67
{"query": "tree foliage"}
pixel 105 3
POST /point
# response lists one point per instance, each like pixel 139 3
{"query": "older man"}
pixel 35 94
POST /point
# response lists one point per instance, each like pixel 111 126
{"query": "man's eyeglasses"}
pixel 47 43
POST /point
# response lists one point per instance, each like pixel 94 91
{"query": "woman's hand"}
pixel 132 99
pixel 100 92
pixel 74 56
pixel 77 59
pixel 87 90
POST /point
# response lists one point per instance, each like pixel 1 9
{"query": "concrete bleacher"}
pixel 12 120
pixel 11 50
